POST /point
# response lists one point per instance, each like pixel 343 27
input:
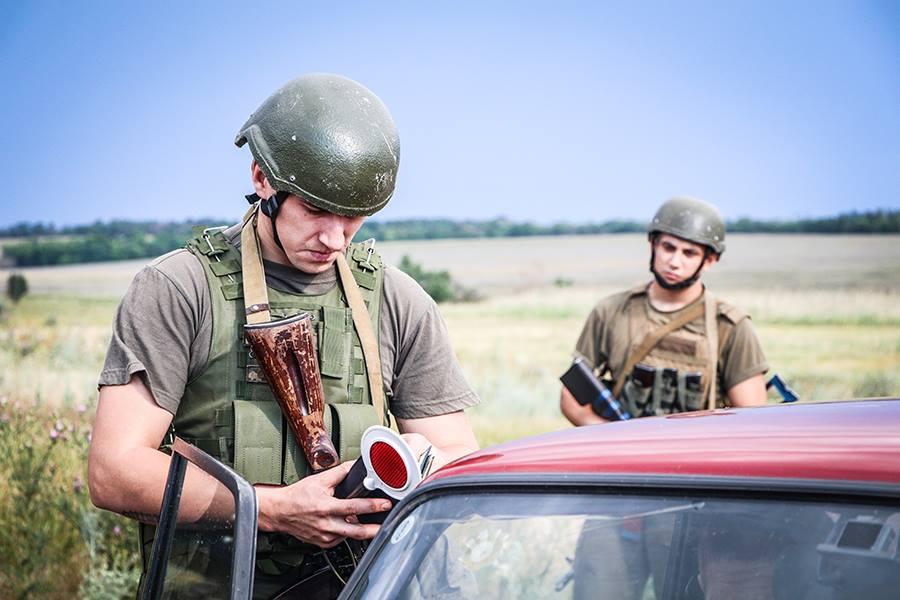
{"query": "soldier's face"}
pixel 313 238
pixel 677 259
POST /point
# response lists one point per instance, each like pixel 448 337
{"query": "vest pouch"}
pixel 334 341
pixel 258 431
pixel 665 392
pixel 636 397
pixel 690 391
pixel 352 421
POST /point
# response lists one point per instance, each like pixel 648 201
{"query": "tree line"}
pixel 34 244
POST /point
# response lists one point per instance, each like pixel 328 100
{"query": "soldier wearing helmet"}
pixel 325 156
pixel 668 345
pixel 665 346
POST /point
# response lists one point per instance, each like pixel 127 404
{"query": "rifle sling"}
pixel 712 339
pixel 363 324
pixel 651 339
pixel 256 301
pixel 256 297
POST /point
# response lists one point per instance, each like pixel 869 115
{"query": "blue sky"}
pixel 541 111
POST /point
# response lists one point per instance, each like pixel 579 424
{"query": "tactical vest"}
pixel 229 411
pixel 680 361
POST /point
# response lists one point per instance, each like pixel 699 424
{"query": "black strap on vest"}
pixel 270 207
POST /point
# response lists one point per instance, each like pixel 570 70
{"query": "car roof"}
pixel 841 441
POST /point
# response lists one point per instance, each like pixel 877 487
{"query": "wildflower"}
pixel 77 485
pixel 81 408
pixel 54 433
pixel 117 531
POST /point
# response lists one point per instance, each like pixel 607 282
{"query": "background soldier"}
pixel 325 155
pixel 665 347
pixel 669 346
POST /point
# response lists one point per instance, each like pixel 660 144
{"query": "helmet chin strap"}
pixel 270 207
pixel 681 284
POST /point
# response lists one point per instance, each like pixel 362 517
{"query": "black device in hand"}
pixel 586 388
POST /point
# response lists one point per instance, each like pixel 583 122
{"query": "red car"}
pixel 789 501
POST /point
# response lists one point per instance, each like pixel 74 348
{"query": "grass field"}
pixel 826 309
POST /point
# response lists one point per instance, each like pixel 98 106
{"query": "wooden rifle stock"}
pixel 287 353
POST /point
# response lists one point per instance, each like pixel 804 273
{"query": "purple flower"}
pixel 81 408
pixel 54 434
pixel 77 485
pixel 117 531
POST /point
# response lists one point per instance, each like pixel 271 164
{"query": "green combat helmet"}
pixel 690 219
pixel 329 140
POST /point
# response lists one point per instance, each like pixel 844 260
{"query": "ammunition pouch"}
pixel 650 391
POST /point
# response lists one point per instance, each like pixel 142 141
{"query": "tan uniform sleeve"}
pixel 590 339
pixel 418 362
pixel 741 356
pixel 162 329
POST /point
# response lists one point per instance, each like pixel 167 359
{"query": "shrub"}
pixel 437 284
pixel 54 543
pixel 16 287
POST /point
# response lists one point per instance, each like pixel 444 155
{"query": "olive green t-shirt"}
pixel 163 331
pixel 605 338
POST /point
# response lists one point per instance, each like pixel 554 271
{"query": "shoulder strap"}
pixel 363 324
pixel 712 338
pixel 651 339
pixel 256 297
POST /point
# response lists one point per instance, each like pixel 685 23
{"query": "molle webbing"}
pixel 229 411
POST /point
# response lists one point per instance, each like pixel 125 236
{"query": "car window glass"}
pixel 617 546
pixel 200 562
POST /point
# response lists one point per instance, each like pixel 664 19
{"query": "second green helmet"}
pixel 329 140
pixel 691 219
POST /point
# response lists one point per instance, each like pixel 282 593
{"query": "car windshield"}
pixel 589 545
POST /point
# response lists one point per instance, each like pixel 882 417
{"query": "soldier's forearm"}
pixel 132 483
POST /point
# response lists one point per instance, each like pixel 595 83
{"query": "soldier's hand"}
pixel 309 511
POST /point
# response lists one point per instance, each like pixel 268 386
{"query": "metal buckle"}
pixel 212 250
pixel 369 245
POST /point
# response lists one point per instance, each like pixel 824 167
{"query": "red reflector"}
pixel 388 465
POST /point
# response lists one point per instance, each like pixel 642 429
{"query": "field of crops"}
pixel 827 309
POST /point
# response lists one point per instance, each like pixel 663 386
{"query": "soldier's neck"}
pixel 671 300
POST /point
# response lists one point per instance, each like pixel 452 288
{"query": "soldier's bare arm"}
pixel 126 471
pixel 749 392
pixel 450 435
pixel 127 475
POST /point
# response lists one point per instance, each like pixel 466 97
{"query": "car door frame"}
pixel 245 521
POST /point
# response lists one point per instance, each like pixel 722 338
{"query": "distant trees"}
pixel 877 221
pixel 43 244
pixel 116 240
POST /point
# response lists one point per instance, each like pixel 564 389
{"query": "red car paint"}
pixel 842 441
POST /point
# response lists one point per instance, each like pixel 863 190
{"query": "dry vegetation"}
pixel 826 308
